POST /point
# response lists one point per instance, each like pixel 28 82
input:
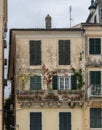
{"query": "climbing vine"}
pixel 47 76
pixel 79 76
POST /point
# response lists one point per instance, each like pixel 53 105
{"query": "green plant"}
pixel 7 113
pixel 79 77
pixel 24 79
pixel 47 76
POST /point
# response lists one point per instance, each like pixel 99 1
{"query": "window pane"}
pixel 61 83
pixel 66 83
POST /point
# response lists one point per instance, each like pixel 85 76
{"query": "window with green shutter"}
pixel 64 121
pixel 35 52
pixel 64 82
pixel 35 82
pixel 64 52
pixel 94 46
pixel 95 77
pixel 95 82
pixel 35 121
pixel 95 118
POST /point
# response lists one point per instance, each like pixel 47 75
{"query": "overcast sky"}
pixel 31 13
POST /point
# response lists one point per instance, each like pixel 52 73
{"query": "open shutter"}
pixel 95 118
pixel 35 52
pixel 64 52
pixel 55 82
pixel 65 121
pixel 35 82
pixel 73 82
pixel 35 121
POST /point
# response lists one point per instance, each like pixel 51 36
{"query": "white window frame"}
pixel 64 83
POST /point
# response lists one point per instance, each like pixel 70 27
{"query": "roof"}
pixel 44 29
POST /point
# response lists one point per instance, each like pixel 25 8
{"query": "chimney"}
pixel 48 21
pixel 92 7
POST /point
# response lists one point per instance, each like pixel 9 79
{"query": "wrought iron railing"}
pixel 95 90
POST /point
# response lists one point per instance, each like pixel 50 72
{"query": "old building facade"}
pixel 3 29
pixel 56 76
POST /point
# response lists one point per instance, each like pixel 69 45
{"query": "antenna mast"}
pixel 70 11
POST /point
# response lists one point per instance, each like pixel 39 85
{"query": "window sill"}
pixel 95 129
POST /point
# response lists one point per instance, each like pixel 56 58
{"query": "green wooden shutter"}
pixel 64 52
pixel 73 82
pixel 95 118
pixel 55 82
pixel 35 52
pixel 94 46
pixel 95 77
pixel 65 121
pixel 35 82
pixel 35 121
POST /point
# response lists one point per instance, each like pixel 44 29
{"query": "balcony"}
pixel 93 61
pixel 95 91
pixel 53 96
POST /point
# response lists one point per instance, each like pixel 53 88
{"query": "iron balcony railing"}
pixel 95 90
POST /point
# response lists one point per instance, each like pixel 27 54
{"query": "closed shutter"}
pixel 95 77
pixel 73 82
pixel 35 82
pixel 35 121
pixel 64 121
pixel 55 82
pixel 95 118
pixel 64 52
pixel 35 52
pixel 94 46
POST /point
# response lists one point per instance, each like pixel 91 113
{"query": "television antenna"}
pixel 70 13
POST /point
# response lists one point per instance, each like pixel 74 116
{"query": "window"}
pixel 95 81
pixel 64 121
pixel 35 82
pixel 64 52
pixel 35 121
pixel 94 46
pixel 100 13
pixel 64 83
pixel 95 118
pixel 95 77
pixel 35 52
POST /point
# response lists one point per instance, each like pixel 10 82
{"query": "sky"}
pixel 32 13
